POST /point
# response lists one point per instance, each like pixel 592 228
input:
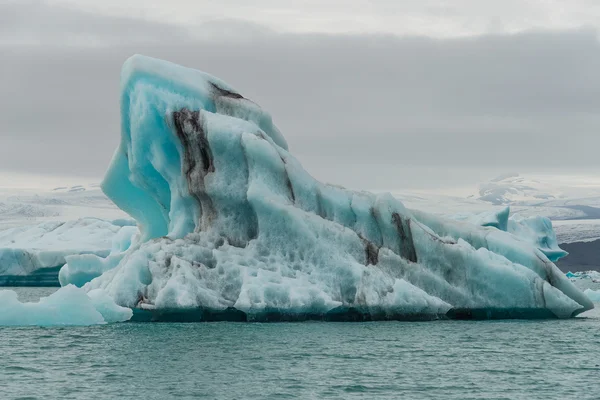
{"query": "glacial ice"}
pixel 535 230
pixel 233 226
pixel 32 255
pixel 67 306
pixel 538 231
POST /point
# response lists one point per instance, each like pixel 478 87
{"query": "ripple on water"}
pixel 383 360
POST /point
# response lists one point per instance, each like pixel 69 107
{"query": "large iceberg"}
pixel 232 226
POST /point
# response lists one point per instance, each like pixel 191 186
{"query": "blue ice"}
pixel 230 221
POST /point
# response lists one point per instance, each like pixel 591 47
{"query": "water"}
pixel 549 359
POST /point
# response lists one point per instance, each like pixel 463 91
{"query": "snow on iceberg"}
pixel 233 227
pixel 33 255
pixel 67 306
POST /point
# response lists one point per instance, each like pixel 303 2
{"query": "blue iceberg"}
pixel 232 227
pixel 67 306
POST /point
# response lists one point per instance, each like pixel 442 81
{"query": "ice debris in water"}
pixel 593 276
pixel 593 295
pixel 231 223
pixel 67 306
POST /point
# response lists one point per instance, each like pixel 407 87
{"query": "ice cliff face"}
pixel 231 223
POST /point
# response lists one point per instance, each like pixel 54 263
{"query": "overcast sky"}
pixel 369 94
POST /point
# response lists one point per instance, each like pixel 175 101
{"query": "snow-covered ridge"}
pixel 512 188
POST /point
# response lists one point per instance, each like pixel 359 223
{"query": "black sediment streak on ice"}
pixel 407 247
pixel 220 92
pixel 168 261
pixel 433 237
pixel 354 216
pixel 288 181
pixel 547 268
pixel 371 251
pixel 319 199
pixel 253 219
pixel 376 222
pixel 197 159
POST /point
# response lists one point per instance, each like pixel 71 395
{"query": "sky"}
pixel 369 94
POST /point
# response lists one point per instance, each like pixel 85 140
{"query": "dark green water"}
pixel 549 359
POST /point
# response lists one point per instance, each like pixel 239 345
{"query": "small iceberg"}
pixel 69 305
pixel 593 295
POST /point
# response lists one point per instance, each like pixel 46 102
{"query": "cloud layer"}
pixel 370 111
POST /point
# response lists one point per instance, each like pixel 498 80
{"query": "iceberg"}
pixel 67 306
pixel 32 255
pixel 535 230
pixel 538 231
pixel 232 227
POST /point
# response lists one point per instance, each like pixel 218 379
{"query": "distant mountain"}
pixel 513 188
pixel 557 197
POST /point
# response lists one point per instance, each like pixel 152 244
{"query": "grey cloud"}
pixel 363 111
pixel 35 22
pixel 424 17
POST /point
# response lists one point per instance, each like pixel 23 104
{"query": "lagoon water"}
pixel 549 359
